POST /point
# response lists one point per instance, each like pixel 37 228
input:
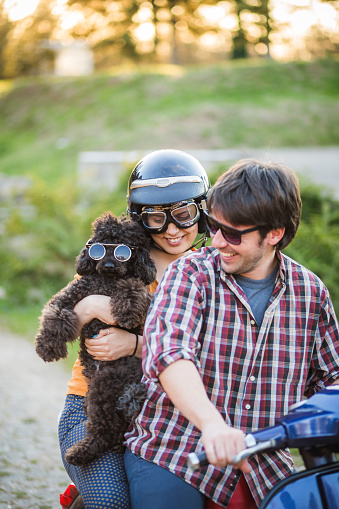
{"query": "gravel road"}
pixel 31 397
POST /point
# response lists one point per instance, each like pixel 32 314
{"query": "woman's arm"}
pixel 183 384
pixel 94 306
pixel 104 347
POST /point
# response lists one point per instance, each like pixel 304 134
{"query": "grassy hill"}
pixel 46 122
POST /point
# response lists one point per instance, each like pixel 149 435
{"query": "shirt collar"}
pixel 282 267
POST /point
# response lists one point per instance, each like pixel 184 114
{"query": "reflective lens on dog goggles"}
pixel 183 215
pixel 97 251
pixel 231 235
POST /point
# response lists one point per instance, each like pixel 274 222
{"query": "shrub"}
pixel 39 243
pixel 38 248
pixel 316 244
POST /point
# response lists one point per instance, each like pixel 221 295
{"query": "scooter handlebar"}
pixel 275 440
pixel 311 423
pixel 250 451
pixel 198 460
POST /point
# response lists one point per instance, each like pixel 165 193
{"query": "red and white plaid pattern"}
pixel 251 374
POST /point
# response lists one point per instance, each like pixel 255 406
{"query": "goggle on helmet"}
pixel 168 186
pixel 183 214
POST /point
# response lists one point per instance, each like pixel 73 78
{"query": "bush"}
pixel 39 243
pixel 316 244
pixel 38 246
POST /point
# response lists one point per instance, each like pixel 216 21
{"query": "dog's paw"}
pixel 80 454
pixel 74 457
pixel 50 352
pixel 129 315
pixel 130 303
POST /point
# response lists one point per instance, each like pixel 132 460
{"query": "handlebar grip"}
pixel 246 453
pixel 196 460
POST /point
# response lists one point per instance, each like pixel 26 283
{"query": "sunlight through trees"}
pixel 164 31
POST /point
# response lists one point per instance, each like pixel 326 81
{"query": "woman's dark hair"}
pixel 258 193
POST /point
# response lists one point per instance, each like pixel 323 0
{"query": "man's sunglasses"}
pixel 231 235
pixel 97 251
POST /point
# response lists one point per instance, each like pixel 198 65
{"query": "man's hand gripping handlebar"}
pixel 198 460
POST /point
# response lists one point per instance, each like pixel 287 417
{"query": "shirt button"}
pixel 247 406
pixel 252 322
pixel 252 378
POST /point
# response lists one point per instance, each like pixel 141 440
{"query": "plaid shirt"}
pixel 251 374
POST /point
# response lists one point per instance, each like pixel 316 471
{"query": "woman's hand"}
pixel 110 347
pixel 105 347
pixel 94 306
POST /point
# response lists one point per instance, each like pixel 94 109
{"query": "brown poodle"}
pixel 123 273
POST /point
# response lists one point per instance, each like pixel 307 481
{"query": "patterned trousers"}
pixel 102 483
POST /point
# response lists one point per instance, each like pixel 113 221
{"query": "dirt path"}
pixel 31 397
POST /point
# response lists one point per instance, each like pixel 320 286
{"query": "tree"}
pixel 5 29
pixel 254 26
pixel 108 27
pixel 177 32
pixel 24 52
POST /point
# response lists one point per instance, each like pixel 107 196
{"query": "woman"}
pixel 166 192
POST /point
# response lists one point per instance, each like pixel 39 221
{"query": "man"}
pixel 236 334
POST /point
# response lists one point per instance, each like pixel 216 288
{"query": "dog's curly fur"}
pixel 115 392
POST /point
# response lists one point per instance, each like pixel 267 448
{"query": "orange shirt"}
pixel 78 384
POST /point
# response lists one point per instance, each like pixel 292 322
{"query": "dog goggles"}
pixel 183 215
pixel 97 251
pixel 231 235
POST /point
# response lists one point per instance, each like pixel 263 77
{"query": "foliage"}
pixel 25 51
pixel 5 29
pixel 160 31
pixel 294 104
pixel 41 238
pixel 46 123
pixel 245 35
pixel 317 242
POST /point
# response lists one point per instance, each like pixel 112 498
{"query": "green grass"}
pixel 22 321
pixel 252 104
pixel 298 462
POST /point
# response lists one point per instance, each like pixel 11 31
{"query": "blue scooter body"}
pixel 311 489
pixel 312 426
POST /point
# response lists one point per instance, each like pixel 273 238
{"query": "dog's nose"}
pixel 108 266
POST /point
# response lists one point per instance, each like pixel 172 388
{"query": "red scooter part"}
pixel 68 497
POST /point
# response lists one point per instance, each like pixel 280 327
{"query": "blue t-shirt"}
pixel 258 292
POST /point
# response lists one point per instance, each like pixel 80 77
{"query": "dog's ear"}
pixel 144 266
pixel 84 265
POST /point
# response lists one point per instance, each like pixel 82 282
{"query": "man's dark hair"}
pixel 258 193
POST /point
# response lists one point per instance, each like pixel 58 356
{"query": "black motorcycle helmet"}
pixel 166 177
